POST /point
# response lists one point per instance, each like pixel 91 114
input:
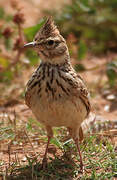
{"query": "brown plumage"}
pixel 55 93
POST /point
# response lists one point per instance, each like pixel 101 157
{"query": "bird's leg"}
pixel 50 134
pixel 81 135
pixel 78 148
pixel 74 133
pixel 44 161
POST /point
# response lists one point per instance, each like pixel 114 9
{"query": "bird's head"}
pixel 49 44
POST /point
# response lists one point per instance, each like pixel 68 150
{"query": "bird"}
pixel 55 93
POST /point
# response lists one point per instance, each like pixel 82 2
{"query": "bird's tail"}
pixel 97 124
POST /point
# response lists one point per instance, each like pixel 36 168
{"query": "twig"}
pixel 9 153
pixel 30 141
pixel 14 121
pixel 20 33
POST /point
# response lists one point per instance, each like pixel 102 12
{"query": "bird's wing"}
pixel 80 90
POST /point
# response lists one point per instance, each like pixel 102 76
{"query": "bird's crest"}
pixel 48 29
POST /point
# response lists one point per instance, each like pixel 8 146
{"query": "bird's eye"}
pixel 50 42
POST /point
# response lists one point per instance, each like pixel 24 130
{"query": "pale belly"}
pixel 62 112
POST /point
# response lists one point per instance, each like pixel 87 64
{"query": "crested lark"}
pixel 55 93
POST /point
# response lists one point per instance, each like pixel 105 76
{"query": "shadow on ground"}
pixel 61 168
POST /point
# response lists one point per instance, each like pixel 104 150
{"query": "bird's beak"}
pixel 30 45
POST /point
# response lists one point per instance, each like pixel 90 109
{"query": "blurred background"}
pixel 90 29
